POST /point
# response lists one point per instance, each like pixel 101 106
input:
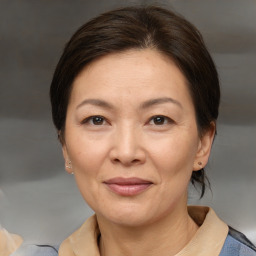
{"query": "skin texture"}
pixel 131 138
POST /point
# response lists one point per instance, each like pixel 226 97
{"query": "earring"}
pixel 68 165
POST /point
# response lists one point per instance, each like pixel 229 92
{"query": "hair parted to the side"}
pixel 140 28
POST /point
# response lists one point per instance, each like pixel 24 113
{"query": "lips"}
pixel 127 186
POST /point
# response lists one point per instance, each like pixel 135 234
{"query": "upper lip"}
pixel 127 181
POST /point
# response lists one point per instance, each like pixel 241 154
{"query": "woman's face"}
pixel 132 137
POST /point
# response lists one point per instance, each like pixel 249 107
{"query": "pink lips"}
pixel 127 186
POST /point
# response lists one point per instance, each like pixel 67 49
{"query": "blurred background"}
pixel 38 200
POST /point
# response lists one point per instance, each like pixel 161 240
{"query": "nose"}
pixel 127 147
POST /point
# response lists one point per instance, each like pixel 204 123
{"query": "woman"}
pixel 135 100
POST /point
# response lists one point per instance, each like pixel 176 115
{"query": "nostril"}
pixel 126 162
pixel 116 160
pixel 127 156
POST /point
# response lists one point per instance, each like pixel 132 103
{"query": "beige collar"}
pixel 9 243
pixel 210 237
pixel 208 240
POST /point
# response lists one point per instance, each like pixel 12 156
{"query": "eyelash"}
pixel 166 120
pixel 91 120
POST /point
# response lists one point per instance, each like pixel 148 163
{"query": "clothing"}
pixel 8 242
pixel 36 250
pixel 211 239
pixel 232 247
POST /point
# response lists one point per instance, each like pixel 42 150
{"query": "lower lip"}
pixel 128 190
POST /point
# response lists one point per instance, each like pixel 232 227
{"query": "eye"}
pixel 160 120
pixel 94 120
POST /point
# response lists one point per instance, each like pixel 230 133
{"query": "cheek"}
pixel 88 159
pixel 87 155
pixel 174 153
pixel 174 159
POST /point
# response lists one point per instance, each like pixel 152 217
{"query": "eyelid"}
pixel 168 119
pixel 90 118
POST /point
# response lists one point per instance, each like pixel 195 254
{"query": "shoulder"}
pixel 66 248
pixel 83 239
pixel 237 244
pixel 36 250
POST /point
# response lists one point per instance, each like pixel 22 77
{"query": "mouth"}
pixel 127 186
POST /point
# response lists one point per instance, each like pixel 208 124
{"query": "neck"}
pixel 163 237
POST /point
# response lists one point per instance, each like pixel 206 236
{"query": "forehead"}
pixel 131 73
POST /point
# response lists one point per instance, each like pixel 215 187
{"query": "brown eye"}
pixel 160 120
pixel 94 120
pixel 97 120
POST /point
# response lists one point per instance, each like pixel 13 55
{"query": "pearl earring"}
pixel 68 165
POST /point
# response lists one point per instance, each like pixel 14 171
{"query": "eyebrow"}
pixel 146 104
pixel 157 101
pixel 95 102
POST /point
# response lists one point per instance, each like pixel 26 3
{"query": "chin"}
pixel 127 220
pixel 129 214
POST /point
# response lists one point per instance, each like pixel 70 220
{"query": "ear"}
pixel 68 164
pixel 204 148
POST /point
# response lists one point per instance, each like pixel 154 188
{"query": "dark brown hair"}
pixel 141 28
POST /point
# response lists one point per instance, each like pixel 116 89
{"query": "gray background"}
pixel 37 198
